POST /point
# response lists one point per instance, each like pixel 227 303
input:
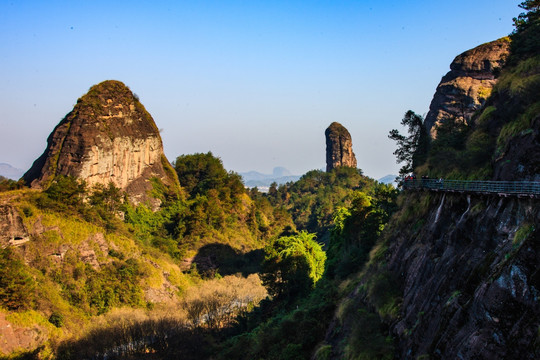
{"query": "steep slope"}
pixel 465 88
pixel 107 137
pixel 470 279
pixel 455 276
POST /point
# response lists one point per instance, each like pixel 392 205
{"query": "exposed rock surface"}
pixel 12 229
pixel 465 88
pixel 339 150
pixel 470 280
pixel 107 137
pixel 16 337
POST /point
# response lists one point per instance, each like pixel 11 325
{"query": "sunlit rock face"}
pixel 12 229
pixel 107 137
pixel 465 88
pixel 338 147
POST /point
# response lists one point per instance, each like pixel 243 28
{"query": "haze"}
pixel 255 82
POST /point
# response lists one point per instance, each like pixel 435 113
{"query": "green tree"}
pixel 199 173
pixel 525 18
pixel 67 191
pixel 17 287
pixel 292 265
pixel 526 36
pixel 108 197
pixel 412 149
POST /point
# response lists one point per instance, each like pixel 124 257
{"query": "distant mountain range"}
pixel 10 172
pixel 279 175
pixel 388 179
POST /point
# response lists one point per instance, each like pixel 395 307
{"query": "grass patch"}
pixel 522 233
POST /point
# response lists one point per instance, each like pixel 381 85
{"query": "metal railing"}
pixel 503 188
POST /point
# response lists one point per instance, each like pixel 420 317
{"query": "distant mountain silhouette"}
pixel 388 179
pixel 280 175
pixel 10 172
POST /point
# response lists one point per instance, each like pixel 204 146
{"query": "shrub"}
pixel 17 286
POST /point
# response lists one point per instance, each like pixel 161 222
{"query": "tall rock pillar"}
pixel 338 147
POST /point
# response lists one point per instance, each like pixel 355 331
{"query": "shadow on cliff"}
pixel 225 260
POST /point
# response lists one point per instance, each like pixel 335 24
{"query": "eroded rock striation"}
pixel 465 88
pixel 339 150
pixel 12 229
pixel 107 137
pixel 469 280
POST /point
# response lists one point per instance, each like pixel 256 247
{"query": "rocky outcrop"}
pixel 338 147
pixel 465 88
pixel 470 279
pixel 12 229
pixel 107 137
pixel 15 337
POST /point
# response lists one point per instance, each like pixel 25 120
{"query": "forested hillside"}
pixel 332 266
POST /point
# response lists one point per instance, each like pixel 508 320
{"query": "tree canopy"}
pixel 412 149
pixel 292 265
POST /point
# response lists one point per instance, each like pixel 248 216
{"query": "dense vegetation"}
pixel 292 326
pixel 109 261
pixel 313 200
pixel 92 251
pixel 470 150
pixel 319 246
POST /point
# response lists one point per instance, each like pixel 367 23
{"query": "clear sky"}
pixel 255 82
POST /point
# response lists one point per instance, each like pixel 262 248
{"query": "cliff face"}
pixel 107 137
pixel 470 279
pixel 465 88
pixel 338 147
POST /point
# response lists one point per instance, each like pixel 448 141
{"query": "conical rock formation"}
pixel 338 147
pixel 107 137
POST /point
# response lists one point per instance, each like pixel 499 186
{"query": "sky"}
pixel 255 82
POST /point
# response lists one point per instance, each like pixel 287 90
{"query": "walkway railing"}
pixel 503 188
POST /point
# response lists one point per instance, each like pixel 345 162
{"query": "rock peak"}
pixel 107 137
pixel 465 88
pixel 338 147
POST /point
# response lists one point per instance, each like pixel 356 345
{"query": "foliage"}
pixel 292 265
pixel 67 191
pixel 526 37
pixel 288 333
pixel 200 173
pixel 469 152
pixel 8 184
pixel 279 330
pixel 218 302
pixel 313 200
pixel 523 233
pixel 17 287
pixel 132 334
pixel 358 227
pixel 411 149
pixel 366 341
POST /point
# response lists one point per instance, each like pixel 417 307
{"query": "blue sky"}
pixel 255 82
